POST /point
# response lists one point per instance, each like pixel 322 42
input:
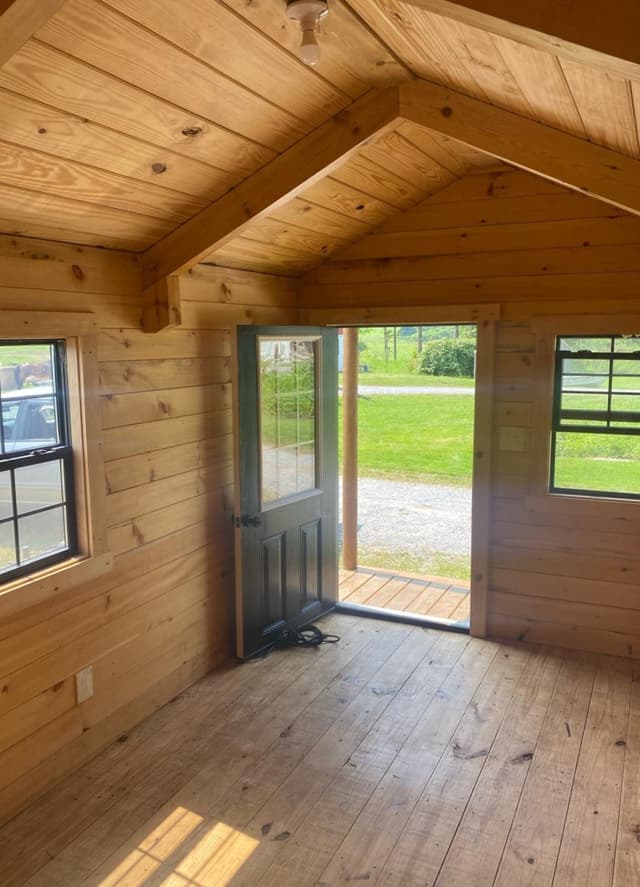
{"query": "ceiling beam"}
pixel 19 21
pixel 559 156
pixel 312 158
pixel 592 32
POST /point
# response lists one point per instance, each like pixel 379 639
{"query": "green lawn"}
pixel 424 437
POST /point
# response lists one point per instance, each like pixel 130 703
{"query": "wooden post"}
pixel 350 448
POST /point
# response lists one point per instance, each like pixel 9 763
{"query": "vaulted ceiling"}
pixel 122 120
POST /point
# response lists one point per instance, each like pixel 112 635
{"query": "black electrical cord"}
pixel 309 636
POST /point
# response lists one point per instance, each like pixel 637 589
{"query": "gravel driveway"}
pixel 415 518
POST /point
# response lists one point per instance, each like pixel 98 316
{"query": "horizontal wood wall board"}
pixel 584 259
pixel 211 315
pixel 42 639
pixel 114 104
pixel 312 158
pixel 35 264
pixel 437 216
pixel 596 38
pixel 172 432
pixel 546 234
pixel 619 518
pixel 26 719
pixel 136 501
pixel 562 563
pixel 152 465
pixel 61 324
pixel 387 315
pixel 118 344
pixel 206 283
pixel 506 183
pixel 587 591
pixel 120 410
pixel 46 741
pixel 600 172
pixel 579 539
pixel 573 637
pixel 550 294
pixel 614 619
pixel 347 200
pixel 121 377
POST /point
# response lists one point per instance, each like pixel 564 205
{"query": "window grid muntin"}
pixel 61 452
pixel 611 355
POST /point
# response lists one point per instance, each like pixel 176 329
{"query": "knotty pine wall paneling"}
pixel 163 616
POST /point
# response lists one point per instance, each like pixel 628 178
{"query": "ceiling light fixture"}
pixel 308 13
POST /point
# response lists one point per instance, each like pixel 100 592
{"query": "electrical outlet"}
pixel 84 684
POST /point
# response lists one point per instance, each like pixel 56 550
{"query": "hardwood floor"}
pixel 400 756
pixel 432 596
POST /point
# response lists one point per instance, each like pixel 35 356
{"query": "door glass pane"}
pixel 39 486
pixel 42 534
pixel 287 394
pixel 7 547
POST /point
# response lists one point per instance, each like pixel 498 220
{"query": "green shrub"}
pixel 448 357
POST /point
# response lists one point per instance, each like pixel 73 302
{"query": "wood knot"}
pixel 42 130
pixel 158 168
pixel 446 111
pixel 78 273
pixel 192 131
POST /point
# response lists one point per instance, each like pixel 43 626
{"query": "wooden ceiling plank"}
pixel 38 172
pixel 311 217
pixel 561 157
pixel 596 34
pixel 19 21
pixel 46 75
pixel 32 124
pixel 606 107
pixel 348 201
pixel 128 230
pixel 353 58
pixel 285 177
pixel 215 35
pixel 103 38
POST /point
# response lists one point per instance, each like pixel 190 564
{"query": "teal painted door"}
pixel 287 520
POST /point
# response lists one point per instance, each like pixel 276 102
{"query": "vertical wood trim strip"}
pixel 350 449
pixel 481 492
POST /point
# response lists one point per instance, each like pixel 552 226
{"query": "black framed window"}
pixel 596 416
pixel 37 498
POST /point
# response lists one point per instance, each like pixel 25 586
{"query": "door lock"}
pixel 248 520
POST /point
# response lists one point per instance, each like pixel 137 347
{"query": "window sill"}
pixel 37 588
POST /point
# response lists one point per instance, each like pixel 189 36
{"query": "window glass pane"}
pixel 627 368
pixel 598 462
pixel 38 486
pixel 7 547
pixel 42 534
pixel 287 391
pixel 6 501
pixel 627 343
pixel 34 425
pixel 584 343
pixel 27 387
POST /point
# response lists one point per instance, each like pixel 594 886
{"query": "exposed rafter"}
pixel 19 21
pixel 592 32
pixel 559 156
pixel 311 158
pixel 535 147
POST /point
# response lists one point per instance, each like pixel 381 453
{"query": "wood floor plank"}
pixel 337 809
pixel 368 588
pixel 531 851
pixel 422 846
pixel 365 849
pixel 474 855
pixel 589 840
pixel 388 594
pixel 627 863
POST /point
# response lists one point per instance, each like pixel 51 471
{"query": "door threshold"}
pixel 403 616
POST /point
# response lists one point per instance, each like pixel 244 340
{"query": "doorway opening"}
pixel 407 403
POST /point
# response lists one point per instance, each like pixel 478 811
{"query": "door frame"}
pixel 485 318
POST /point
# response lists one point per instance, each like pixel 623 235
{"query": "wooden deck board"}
pixel 441 598
pixel 402 756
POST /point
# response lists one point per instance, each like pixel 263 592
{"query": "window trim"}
pixel 78 329
pixel 547 329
